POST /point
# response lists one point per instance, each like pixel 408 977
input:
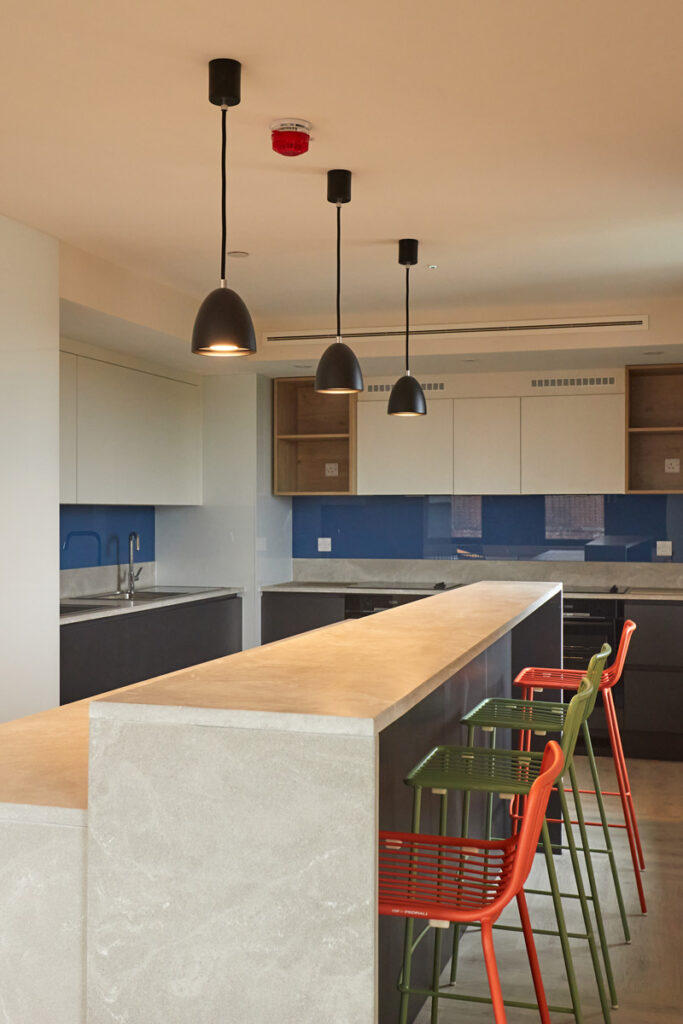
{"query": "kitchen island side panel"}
pixel 435 721
pixel 231 875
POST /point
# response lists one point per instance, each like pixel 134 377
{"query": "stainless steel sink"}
pixel 142 595
pixel 73 606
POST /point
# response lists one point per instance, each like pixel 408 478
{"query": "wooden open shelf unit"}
pixel 311 432
pixel 654 428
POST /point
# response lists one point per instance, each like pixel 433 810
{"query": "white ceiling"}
pixel 535 147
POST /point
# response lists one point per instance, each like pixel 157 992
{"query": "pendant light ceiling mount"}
pixel 338 371
pixel 407 397
pixel 223 326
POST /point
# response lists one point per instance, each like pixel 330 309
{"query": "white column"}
pixel 29 470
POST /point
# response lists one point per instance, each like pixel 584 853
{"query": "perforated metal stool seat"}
pixel 540 716
pixel 477 769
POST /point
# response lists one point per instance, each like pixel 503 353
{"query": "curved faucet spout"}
pixel 133 546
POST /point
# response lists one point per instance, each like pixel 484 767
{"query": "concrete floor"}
pixel 649 972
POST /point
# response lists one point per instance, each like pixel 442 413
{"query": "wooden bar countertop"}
pixel 358 675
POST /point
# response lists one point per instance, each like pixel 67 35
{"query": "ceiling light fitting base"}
pixel 339 187
pixel 225 80
pixel 407 252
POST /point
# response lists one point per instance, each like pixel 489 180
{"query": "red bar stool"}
pixel 535 680
pixel 442 880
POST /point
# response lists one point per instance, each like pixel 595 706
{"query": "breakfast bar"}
pixel 233 809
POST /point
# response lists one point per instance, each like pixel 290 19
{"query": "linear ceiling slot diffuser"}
pixel 575 325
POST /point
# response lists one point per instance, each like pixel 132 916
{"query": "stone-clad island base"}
pixel 234 809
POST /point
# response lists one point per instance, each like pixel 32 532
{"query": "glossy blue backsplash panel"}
pixel 613 527
pixel 92 535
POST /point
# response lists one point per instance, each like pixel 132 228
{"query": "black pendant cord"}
pixel 224 233
pixel 407 320
pixel 338 273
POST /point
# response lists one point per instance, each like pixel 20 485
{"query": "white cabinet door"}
pixel 573 444
pixel 405 454
pixel 68 400
pixel 486 446
pixel 139 437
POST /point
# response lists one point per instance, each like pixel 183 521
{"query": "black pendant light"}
pixel 407 397
pixel 223 325
pixel 338 371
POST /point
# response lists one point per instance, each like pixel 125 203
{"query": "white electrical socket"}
pixel 665 549
pixel 672 465
pixel 324 543
pixel 331 469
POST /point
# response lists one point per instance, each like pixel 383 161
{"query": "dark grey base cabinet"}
pixel 653 682
pixel 285 613
pixel 103 654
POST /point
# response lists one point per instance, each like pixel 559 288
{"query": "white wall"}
pixel 241 535
pixel 29 470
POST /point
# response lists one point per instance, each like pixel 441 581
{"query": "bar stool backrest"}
pixel 582 704
pixel 595 671
pixel 617 667
pixel 534 813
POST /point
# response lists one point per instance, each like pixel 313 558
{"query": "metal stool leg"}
pixel 492 973
pixel 588 924
pixel 617 754
pixel 605 830
pixel 609 699
pixel 561 924
pixel 533 957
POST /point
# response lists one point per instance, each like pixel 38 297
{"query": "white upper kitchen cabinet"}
pixel 139 437
pixel 405 454
pixel 486 446
pixel 68 446
pixel 573 444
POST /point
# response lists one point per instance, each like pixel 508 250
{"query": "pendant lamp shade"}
pixel 407 397
pixel 339 371
pixel 223 326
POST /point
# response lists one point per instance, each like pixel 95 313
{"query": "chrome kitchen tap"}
pixel 133 546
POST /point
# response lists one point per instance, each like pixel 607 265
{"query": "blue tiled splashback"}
pixel 91 535
pixel 612 528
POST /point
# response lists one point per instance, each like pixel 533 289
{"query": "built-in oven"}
pixel 588 624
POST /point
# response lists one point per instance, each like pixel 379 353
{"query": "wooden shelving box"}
pixel 654 428
pixel 311 432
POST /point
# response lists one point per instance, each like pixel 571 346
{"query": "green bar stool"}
pixel 511 773
pixel 542 718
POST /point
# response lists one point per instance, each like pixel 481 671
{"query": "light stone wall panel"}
pixel 231 875
pixel 42 910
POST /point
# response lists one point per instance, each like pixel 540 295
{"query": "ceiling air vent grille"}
pixel 435 385
pixel 571 382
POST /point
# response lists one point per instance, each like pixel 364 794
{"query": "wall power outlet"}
pixel 665 549
pixel 324 543
pixel 672 465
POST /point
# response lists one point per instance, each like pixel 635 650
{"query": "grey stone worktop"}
pixel 655 581
pixel 102 608
pixel 304 587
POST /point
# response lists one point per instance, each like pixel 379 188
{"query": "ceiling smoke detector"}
pixel 290 136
